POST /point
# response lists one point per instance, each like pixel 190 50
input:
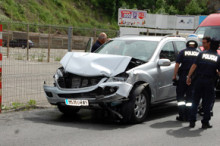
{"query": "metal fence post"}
pixel 94 40
pixel 177 32
pixel 8 40
pixel 70 32
pixel 49 39
pixel 1 68
pixel 27 41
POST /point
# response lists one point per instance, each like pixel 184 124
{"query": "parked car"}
pixel 125 76
pixel 19 43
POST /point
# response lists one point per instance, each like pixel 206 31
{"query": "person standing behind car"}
pixel 102 38
pixel 206 43
pixel 206 65
pixel 185 58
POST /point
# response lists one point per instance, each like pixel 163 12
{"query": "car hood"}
pixel 93 64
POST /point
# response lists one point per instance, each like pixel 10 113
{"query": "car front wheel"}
pixel 136 109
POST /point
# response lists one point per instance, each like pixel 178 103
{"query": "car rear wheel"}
pixel 67 110
pixel 136 109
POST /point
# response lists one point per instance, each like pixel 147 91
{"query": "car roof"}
pixel 211 20
pixel 147 38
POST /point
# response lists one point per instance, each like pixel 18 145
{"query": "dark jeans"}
pixel 204 89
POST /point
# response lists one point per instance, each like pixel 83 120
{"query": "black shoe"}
pixel 178 118
pixel 206 125
pixel 192 124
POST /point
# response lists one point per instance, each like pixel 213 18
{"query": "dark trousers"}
pixel 204 89
pixel 184 97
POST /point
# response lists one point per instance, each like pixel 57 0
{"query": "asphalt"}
pixel 48 127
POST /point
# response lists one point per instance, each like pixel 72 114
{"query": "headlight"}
pixel 58 74
pixel 119 78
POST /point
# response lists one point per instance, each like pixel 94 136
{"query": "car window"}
pixel 167 52
pixel 211 31
pixel 142 50
pixel 180 45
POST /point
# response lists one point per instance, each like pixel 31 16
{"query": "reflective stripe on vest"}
pixel 189 104
pixel 181 103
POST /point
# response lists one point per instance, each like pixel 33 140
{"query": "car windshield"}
pixel 139 49
pixel 211 31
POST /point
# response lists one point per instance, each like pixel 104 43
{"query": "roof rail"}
pixel 172 35
pixel 130 35
pixel 184 35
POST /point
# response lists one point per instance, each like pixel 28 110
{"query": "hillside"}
pixel 57 12
pixel 94 13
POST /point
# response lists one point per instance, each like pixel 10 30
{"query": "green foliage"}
pixel 193 8
pixel 91 13
pixel 16 105
pixel 75 13
pixel 172 10
pixel 41 57
pixel 20 106
pixel 31 103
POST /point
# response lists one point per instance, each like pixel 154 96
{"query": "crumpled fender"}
pixel 140 88
pixel 141 76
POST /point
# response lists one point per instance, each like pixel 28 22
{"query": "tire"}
pixel 136 109
pixel 67 110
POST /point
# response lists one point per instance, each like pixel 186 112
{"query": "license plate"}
pixel 77 102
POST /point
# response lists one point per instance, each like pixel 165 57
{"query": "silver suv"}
pixel 124 76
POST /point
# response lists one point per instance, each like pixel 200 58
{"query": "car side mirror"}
pixel 164 62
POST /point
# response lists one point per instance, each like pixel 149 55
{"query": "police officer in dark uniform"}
pixel 206 65
pixel 184 61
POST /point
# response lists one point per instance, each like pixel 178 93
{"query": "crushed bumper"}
pixel 56 95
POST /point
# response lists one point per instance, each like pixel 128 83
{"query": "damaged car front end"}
pixel 93 83
pixel 124 76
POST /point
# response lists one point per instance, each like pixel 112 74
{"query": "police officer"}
pixel 206 65
pixel 206 45
pixel 184 61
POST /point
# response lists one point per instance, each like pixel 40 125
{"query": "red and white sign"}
pixel 126 14
pixel 127 17
pixel 141 15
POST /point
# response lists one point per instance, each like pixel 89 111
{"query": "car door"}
pixel 166 89
pixel 89 45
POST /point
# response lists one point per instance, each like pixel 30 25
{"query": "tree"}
pixel 172 10
pixel 193 8
pixel 161 7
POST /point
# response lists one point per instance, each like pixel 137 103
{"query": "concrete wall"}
pixel 41 40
